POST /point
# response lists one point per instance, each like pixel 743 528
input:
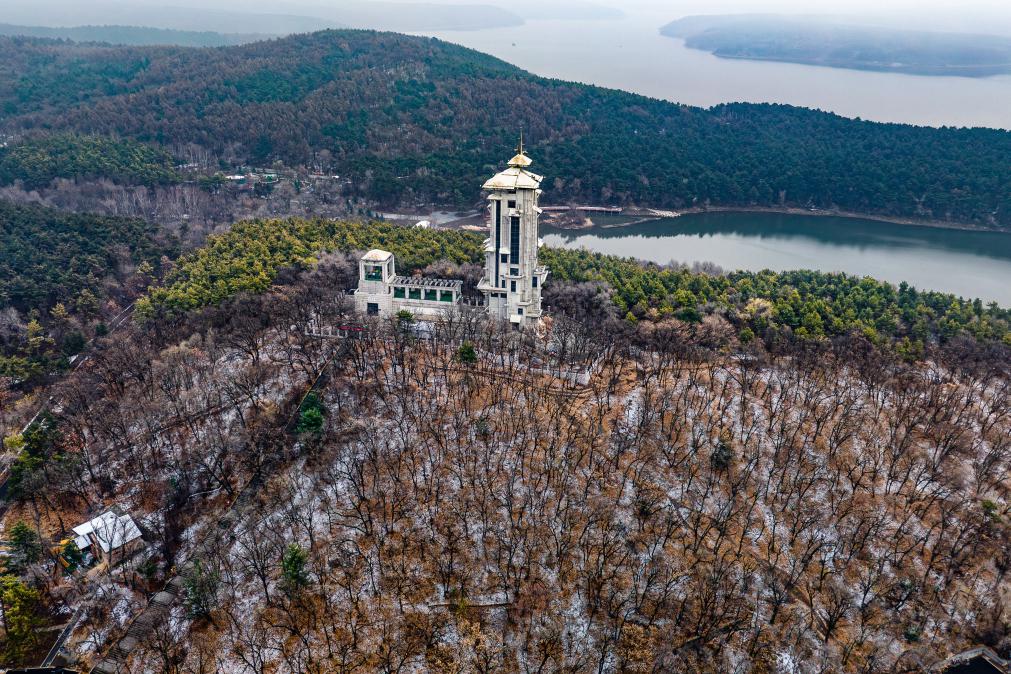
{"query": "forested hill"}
pixel 417 119
pixel 61 275
pixel 134 35
pixel 35 162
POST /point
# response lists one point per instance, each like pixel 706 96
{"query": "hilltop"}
pixel 411 120
pixel 447 504
pixel 676 470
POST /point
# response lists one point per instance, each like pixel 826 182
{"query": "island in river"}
pixel 825 42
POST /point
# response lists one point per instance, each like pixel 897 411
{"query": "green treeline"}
pixel 249 255
pixel 57 271
pixel 808 303
pixel 132 35
pixel 48 256
pixel 413 119
pixel 38 160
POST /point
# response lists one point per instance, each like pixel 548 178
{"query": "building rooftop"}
pixel 514 178
pixel 376 255
pixel 423 282
pixel 111 530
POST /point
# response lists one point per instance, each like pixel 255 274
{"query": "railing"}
pixel 345 331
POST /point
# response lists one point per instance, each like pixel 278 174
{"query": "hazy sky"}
pixel 993 16
pixel 672 7
pixel 939 14
pixel 975 15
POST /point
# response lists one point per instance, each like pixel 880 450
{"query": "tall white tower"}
pixel 513 278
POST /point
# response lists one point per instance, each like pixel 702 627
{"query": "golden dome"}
pixel 521 160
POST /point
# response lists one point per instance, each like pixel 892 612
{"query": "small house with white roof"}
pixel 109 537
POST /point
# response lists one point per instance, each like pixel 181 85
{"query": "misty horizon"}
pixel 980 16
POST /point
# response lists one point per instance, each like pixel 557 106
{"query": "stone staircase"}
pixel 156 612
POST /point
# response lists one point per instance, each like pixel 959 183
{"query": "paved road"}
pixel 60 640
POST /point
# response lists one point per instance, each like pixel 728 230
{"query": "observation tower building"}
pixel 513 277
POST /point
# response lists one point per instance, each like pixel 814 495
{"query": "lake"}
pixel 630 54
pixel 967 263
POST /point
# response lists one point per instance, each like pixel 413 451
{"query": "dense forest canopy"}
pixel 49 256
pixel 132 35
pixel 57 271
pixel 417 119
pixel 36 161
pixel 248 257
pixel 805 303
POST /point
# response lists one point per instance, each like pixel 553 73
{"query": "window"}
pixel 446 296
pixel 512 286
pixel 519 311
pixel 514 242
pixel 533 282
pixel 505 259
pixel 514 271
pixel 373 273
pixel 372 309
pixel 512 203
pixel 432 295
pixel 399 293
pixel 498 233
pixel 414 294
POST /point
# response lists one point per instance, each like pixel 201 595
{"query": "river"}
pixel 967 263
pixel 630 54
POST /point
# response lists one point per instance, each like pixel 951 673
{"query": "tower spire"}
pixel 521 160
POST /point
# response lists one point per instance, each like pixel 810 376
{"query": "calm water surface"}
pixel 969 264
pixel 630 54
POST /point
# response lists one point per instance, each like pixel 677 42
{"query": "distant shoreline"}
pixel 897 220
pixel 833 44
pixel 967 71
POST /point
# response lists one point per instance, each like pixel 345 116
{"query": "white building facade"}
pixel 382 293
pixel 513 277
